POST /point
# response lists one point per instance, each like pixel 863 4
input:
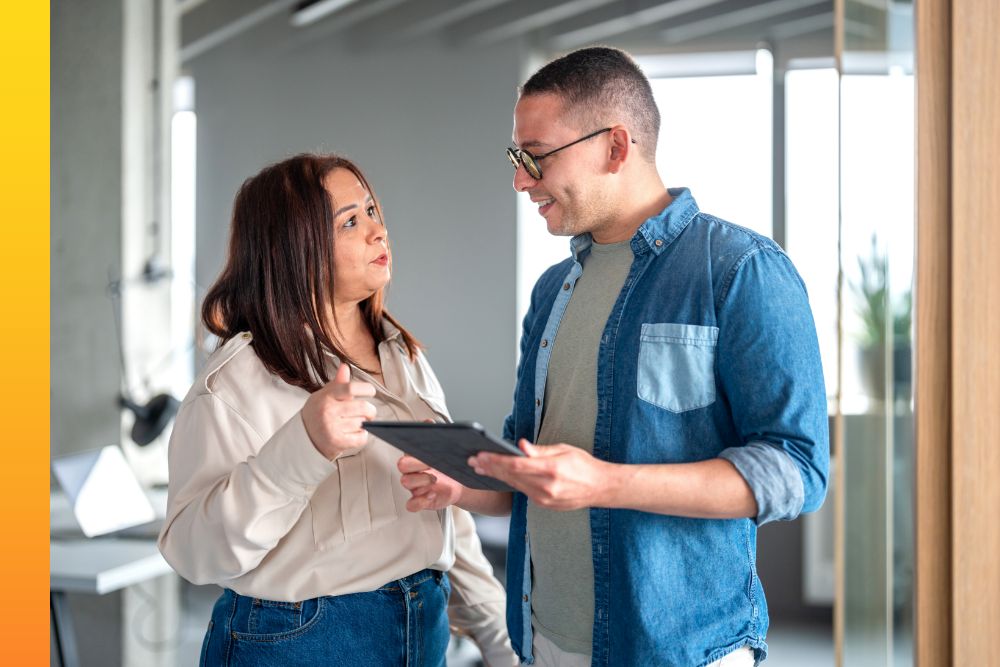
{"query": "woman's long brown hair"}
pixel 278 279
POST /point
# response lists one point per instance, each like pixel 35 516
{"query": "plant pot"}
pixel 871 361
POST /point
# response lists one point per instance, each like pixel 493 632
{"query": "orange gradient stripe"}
pixel 24 332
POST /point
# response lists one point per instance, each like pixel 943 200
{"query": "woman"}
pixel 276 492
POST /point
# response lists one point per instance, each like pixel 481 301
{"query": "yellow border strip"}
pixel 24 333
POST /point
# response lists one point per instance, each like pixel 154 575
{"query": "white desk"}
pixel 96 565
pixel 99 564
pixel 103 565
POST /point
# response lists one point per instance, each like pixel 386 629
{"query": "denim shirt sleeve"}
pixel 526 324
pixel 769 366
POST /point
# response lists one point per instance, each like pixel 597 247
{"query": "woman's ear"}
pixel 621 148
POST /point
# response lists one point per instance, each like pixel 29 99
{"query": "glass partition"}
pixel 877 236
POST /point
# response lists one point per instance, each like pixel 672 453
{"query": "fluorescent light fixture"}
pixel 310 12
pixel 764 62
pixel 675 65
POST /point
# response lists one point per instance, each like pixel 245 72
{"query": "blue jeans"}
pixel 403 623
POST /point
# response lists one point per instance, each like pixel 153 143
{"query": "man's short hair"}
pixel 601 85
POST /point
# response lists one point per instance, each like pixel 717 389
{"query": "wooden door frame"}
pixel 957 319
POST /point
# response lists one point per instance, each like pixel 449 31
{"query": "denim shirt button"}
pixel 658 242
pixel 565 286
pixel 545 342
pixel 538 402
pixel 525 598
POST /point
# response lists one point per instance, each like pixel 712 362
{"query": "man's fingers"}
pixel 510 469
pixel 536 451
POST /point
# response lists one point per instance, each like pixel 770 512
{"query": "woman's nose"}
pixel 376 233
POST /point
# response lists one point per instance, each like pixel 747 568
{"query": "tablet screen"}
pixel 446 447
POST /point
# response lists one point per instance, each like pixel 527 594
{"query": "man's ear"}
pixel 621 148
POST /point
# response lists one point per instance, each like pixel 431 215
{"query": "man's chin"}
pixel 557 228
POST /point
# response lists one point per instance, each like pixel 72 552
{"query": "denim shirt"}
pixel 710 351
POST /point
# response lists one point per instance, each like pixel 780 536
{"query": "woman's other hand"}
pixel 429 489
pixel 333 415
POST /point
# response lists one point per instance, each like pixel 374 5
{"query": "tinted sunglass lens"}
pixel 519 157
pixel 530 165
pixel 512 156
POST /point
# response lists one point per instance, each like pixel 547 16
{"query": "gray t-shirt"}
pixel 562 604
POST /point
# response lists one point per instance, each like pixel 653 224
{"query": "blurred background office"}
pixel 792 117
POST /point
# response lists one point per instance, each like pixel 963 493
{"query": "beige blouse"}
pixel 253 506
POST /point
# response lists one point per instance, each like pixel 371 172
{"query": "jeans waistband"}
pixel 405 584
pixel 413 580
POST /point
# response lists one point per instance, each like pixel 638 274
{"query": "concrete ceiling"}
pixel 805 27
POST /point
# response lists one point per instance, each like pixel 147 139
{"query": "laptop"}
pixel 104 495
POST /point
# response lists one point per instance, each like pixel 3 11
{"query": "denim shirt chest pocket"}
pixel 677 365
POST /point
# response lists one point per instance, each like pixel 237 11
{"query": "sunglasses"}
pixel 521 157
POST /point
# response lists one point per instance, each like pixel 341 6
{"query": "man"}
pixel 671 369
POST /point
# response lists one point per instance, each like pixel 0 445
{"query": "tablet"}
pixel 446 447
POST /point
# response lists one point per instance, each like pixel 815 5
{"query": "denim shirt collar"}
pixel 658 231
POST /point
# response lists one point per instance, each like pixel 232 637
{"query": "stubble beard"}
pixel 581 220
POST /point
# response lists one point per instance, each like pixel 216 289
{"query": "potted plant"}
pixel 885 326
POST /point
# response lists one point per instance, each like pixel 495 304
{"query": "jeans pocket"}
pixel 271 621
pixel 445 584
pixel 677 365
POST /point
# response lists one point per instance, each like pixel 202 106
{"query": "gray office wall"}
pixel 86 221
pixel 428 123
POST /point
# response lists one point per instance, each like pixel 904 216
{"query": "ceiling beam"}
pixel 525 18
pixel 451 16
pixel 184 6
pixel 317 10
pixel 414 19
pixel 736 19
pixel 802 26
pixel 233 29
pixel 628 22
pixel 349 18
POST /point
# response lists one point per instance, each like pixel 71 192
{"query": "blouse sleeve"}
pixel 477 604
pixel 233 495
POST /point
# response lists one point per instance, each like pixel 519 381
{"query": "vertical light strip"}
pixel 840 488
pixel 183 164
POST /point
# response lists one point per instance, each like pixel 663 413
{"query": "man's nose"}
pixel 522 179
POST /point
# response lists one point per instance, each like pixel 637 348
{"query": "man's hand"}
pixel 557 477
pixel 333 415
pixel 429 489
